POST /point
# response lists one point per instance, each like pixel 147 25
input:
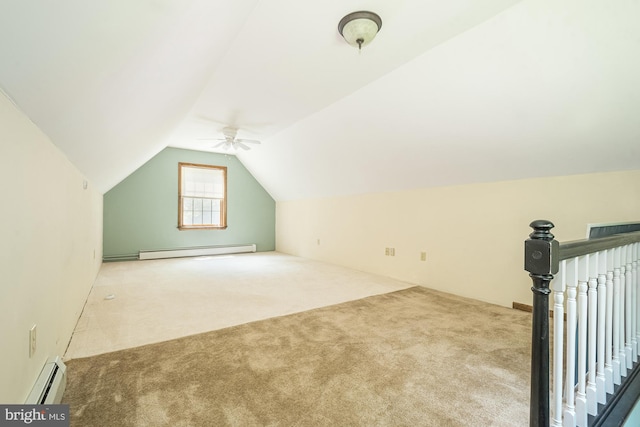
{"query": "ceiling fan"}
pixel 230 140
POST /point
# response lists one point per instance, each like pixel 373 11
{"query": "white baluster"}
pixel 581 395
pixel 569 419
pixel 632 265
pixel 592 328
pixel 628 351
pixel 558 287
pixel 602 306
pixel 608 362
pixel 617 366
pixel 636 282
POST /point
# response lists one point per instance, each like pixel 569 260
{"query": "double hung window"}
pixel 202 196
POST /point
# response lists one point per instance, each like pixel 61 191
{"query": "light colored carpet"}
pixel 413 357
pixel 160 300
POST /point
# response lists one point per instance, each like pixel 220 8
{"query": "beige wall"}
pixel 50 249
pixel 473 234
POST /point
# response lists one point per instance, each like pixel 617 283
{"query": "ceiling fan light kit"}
pixel 230 140
pixel 360 28
pixel 229 132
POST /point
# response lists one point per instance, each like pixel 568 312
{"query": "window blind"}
pixel 202 183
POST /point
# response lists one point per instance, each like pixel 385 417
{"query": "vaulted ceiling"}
pixel 449 92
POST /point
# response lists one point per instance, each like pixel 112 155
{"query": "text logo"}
pixel 34 415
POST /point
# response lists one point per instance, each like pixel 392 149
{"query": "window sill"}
pixel 204 227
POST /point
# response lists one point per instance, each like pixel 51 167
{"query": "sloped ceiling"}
pixel 448 93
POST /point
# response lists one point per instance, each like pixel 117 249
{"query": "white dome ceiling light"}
pixel 359 28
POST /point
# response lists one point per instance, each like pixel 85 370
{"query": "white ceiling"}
pixel 448 93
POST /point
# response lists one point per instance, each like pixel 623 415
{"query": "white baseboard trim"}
pixel 199 251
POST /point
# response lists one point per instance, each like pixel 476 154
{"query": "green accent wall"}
pixel 141 212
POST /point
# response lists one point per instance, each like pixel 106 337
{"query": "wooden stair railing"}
pixel 596 348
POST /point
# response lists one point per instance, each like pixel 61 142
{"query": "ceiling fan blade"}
pixel 220 144
pixel 249 141
pixel 241 145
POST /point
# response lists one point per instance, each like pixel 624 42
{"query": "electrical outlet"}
pixel 392 251
pixel 423 256
pixel 318 241
pixel 32 341
pixel 386 251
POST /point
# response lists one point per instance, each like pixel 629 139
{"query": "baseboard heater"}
pixel 50 385
pixel 199 251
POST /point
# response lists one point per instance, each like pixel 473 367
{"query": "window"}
pixel 202 196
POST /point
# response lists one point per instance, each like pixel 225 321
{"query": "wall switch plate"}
pixel 32 341
pixel 423 256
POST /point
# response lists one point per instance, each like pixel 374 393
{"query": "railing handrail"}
pixel 602 329
pixel 577 248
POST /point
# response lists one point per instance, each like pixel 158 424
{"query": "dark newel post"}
pixel 541 261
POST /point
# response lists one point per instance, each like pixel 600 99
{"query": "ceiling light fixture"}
pixel 359 28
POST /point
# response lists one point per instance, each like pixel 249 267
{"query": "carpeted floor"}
pixel 135 303
pixel 414 357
